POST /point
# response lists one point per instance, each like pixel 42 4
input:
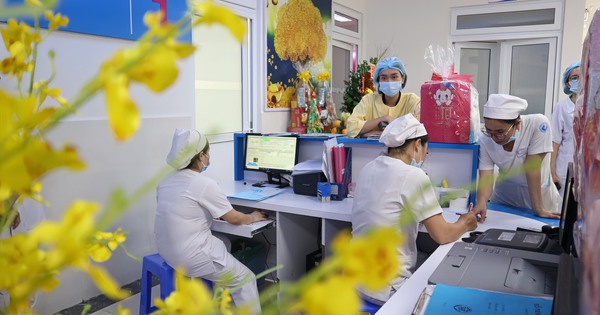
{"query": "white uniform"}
pixel 534 138
pixel 562 134
pixel 384 187
pixel 187 202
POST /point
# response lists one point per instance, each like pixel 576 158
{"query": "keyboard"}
pixel 245 230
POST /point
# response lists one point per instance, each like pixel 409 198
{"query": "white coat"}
pixel 534 138
pixel 562 134
pixel 384 187
pixel 187 203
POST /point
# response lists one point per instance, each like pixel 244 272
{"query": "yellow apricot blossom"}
pixel 190 297
pixel 370 259
pixel 209 13
pixel 104 244
pixel 56 20
pixel 320 299
pixel 123 115
pixel 36 259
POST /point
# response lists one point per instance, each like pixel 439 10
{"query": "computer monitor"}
pixel 568 214
pixel 273 155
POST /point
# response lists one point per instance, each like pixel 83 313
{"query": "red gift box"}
pixel 450 111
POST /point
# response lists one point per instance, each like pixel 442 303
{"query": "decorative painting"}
pixel 298 40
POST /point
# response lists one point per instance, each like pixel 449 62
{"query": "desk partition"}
pixel 456 163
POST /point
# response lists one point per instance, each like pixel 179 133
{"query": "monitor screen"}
pixel 271 154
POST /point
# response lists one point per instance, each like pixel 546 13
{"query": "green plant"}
pixel 359 83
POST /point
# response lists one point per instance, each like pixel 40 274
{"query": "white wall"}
pixel 111 164
pixel 397 25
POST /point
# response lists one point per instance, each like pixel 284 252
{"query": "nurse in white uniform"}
pixel 187 203
pixel 514 141
pixel 563 141
pixel 394 186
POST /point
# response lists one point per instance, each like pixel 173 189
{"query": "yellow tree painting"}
pixel 298 40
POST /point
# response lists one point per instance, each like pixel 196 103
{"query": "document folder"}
pixel 257 193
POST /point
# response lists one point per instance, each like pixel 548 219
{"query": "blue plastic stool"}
pixel 156 265
pixel 368 307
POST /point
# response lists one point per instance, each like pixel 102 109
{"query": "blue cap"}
pixel 566 76
pixel 390 63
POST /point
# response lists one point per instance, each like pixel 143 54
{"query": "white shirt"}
pixel 534 137
pixel 562 134
pixel 384 187
pixel 187 202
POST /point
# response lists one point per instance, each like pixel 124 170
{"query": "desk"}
pixel 404 300
pixel 299 221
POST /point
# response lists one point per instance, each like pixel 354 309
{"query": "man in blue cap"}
pixel 562 127
pixel 376 110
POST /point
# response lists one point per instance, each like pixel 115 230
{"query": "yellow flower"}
pixel 190 297
pixel 122 311
pixel 209 14
pixel 324 76
pixel 104 243
pixel 304 76
pixel 56 20
pixel 35 3
pixel 372 259
pixel 225 303
pixel 105 282
pixel 336 295
pixel 123 115
pixel 16 64
pixel 158 70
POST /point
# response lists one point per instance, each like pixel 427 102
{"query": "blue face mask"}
pixel 514 137
pixel 574 86
pixel 204 167
pixel 415 163
pixel 390 88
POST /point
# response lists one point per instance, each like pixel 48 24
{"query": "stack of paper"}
pixel 308 167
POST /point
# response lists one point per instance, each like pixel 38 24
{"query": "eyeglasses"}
pixel 498 135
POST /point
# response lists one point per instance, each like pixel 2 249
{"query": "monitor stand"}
pixel 276 179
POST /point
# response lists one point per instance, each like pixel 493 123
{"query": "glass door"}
pixel 523 67
pixel 480 60
pixel 343 60
pixel 528 72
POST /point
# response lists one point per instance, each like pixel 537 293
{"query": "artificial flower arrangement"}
pixel 35 261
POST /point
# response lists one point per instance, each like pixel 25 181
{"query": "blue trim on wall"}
pixel 524 212
pixel 112 18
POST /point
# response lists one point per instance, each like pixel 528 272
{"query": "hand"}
pixel 555 178
pixel 480 211
pixel 469 220
pixel 258 216
pixel 547 214
pixel 16 221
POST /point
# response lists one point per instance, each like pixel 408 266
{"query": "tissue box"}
pixel 450 111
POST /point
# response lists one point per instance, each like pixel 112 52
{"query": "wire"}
pixel 269 244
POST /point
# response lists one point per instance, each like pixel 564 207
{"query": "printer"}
pixel 306 183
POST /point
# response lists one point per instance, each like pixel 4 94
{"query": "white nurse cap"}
pixel 186 144
pixel 504 106
pixel 401 129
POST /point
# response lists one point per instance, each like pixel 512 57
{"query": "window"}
pixel 225 77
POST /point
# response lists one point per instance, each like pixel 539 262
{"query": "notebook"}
pixel 257 193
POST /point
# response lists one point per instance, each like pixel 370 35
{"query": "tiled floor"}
pixel 132 303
